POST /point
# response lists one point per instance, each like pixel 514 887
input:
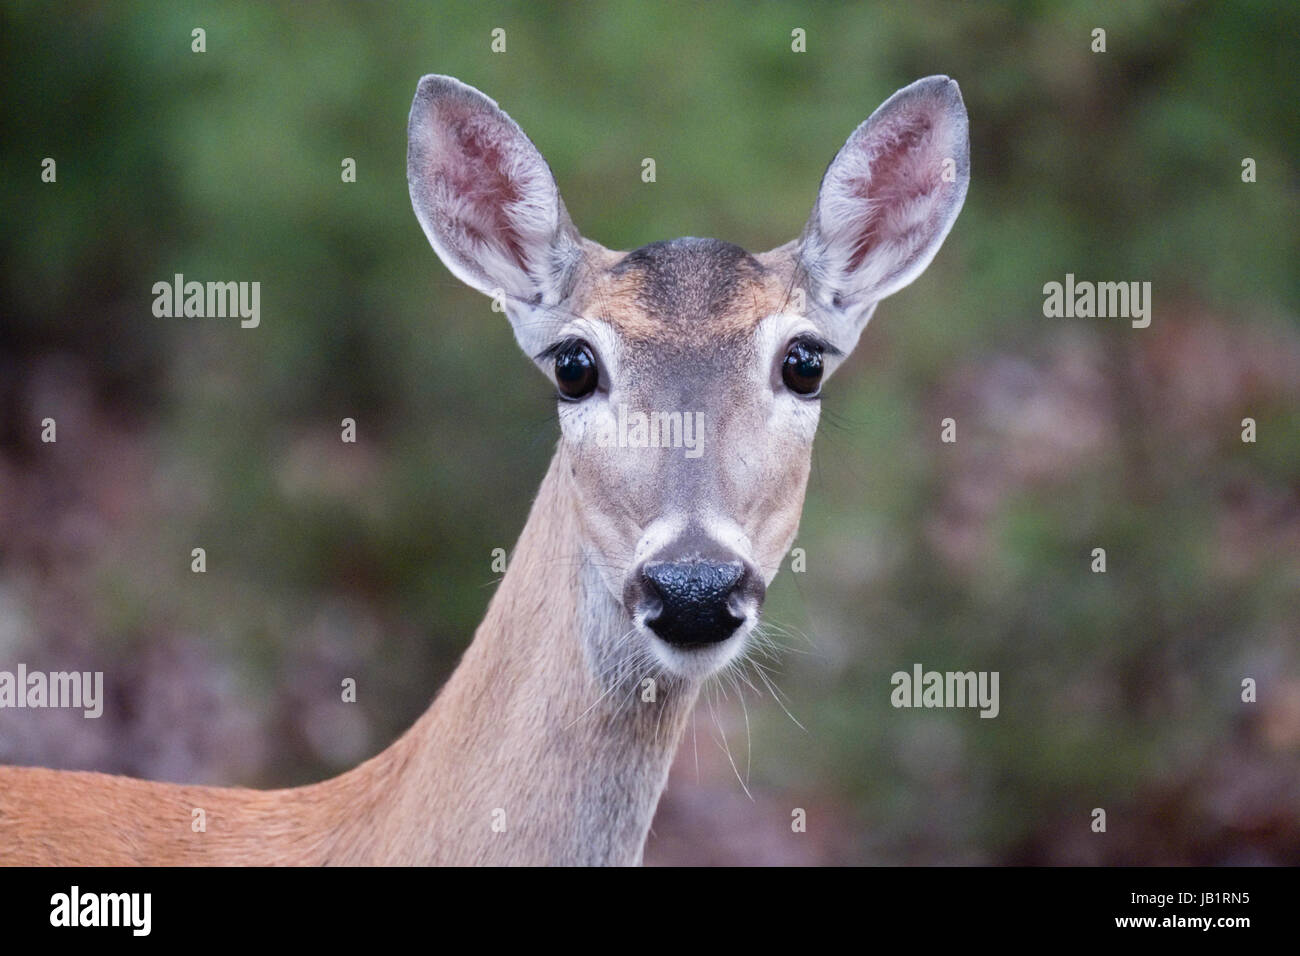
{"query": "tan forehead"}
pixel 683 292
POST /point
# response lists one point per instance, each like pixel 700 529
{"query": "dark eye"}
pixel 575 371
pixel 802 368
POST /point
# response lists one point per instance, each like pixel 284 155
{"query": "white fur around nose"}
pixel 656 537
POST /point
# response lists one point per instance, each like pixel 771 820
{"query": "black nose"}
pixel 694 600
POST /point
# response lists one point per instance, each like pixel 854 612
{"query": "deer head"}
pixel 688 373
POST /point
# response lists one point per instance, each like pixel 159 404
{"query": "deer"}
pixel 639 566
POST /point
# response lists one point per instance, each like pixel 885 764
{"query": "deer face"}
pixel 688 373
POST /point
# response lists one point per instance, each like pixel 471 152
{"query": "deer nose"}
pixel 699 601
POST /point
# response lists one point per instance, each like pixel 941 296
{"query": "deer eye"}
pixel 575 371
pixel 802 369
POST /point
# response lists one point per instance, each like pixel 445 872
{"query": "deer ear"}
pixel 485 197
pixel 887 201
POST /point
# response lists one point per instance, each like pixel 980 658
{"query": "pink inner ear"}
pixel 477 176
pixel 898 187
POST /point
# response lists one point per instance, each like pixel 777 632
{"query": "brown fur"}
pixel 684 294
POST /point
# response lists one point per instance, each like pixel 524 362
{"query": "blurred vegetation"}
pixel 325 560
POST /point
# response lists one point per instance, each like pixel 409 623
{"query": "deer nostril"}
pixel 694 599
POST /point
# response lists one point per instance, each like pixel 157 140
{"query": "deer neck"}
pixel 538 750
